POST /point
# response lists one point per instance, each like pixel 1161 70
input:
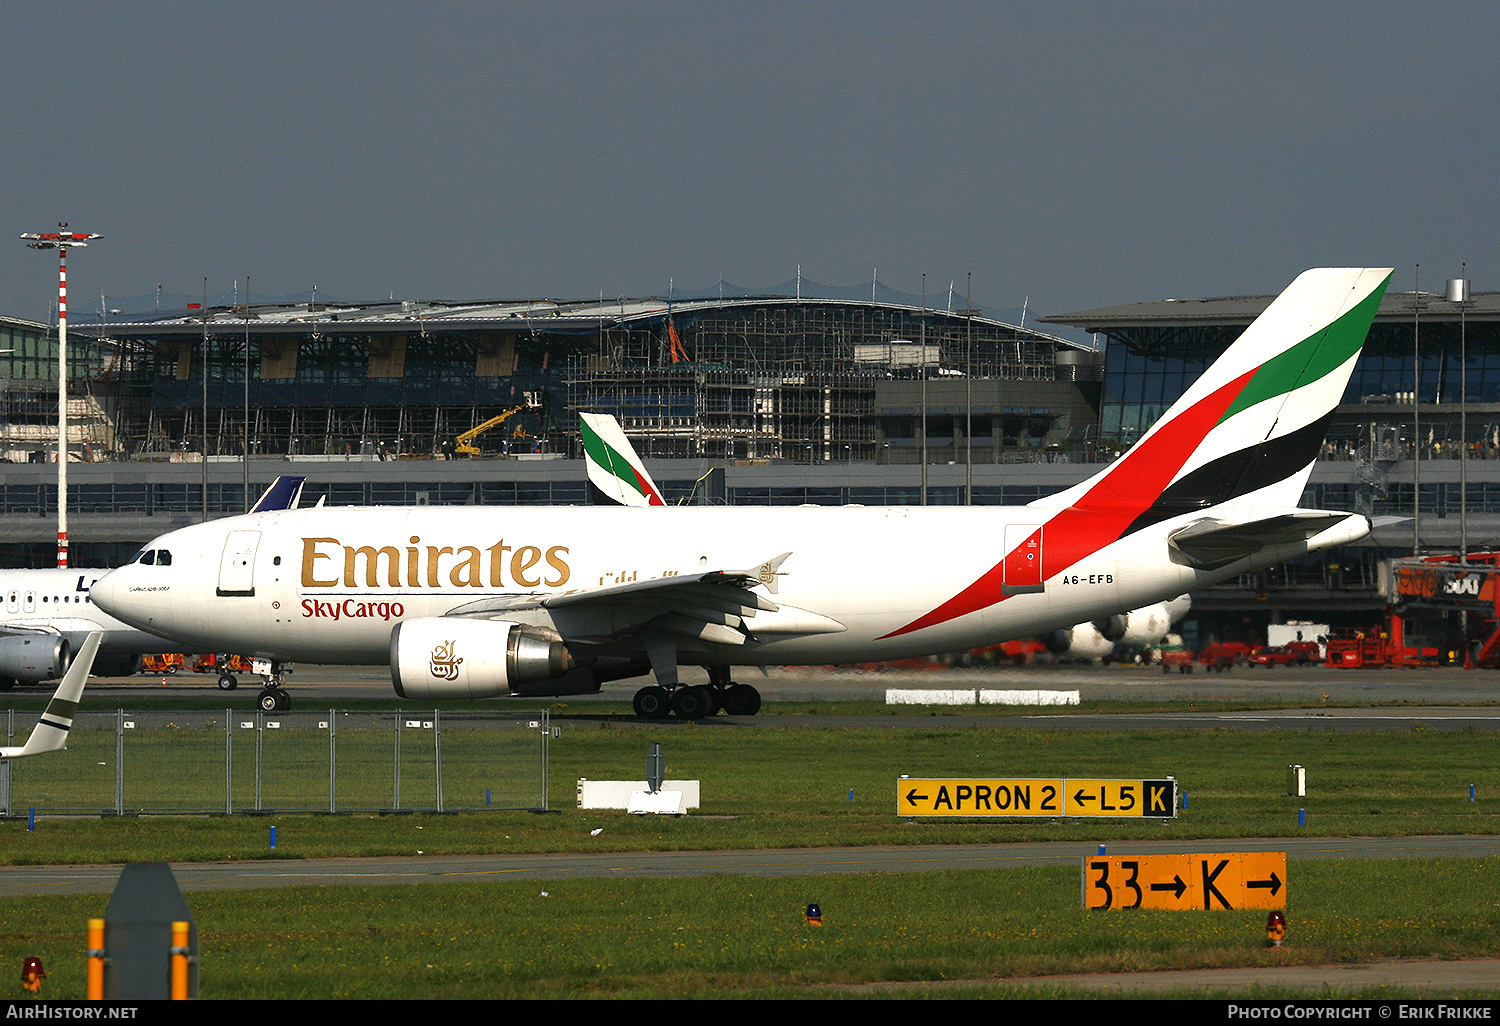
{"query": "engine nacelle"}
pixel 29 658
pixel 456 657
pixel 1147 626
pixel 1086 641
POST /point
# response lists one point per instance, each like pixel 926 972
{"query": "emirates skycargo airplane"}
pixel 471 602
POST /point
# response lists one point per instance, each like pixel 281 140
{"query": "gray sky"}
pixel 1079 154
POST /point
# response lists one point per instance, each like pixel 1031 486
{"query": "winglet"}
pixel 51 731
pixel 769 571
pixel 614 468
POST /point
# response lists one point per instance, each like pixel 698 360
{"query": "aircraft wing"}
pixel 716 606
pixel 51 731
pixel 1208 544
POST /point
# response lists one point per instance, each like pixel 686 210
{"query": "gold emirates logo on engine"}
pixel 329 563
pixel 444 664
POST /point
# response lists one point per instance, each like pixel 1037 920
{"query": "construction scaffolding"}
pixel 749 378
pixel 786 380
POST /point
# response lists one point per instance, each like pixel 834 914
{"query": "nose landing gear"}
pixel 273 697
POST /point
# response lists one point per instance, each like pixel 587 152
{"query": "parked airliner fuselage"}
pixel 327 585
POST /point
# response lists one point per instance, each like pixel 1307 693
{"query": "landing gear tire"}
pixel 652 703
pixel 693 703
pixel 741 700
pixel 228 682
pixel 274 700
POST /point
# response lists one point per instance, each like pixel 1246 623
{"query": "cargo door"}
pixel 1023 559
pixel 237 567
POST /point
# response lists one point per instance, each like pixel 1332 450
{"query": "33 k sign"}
pixel 1221 880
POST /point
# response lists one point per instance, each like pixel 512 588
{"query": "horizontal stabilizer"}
pixel 1209 544
pixel 51 731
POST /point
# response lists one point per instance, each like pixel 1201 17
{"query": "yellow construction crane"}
pixel 468 436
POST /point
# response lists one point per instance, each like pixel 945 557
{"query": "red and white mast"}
pixel 60 240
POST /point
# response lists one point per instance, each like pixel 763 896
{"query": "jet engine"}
pixel 455 657
pixel 29 658
pixel 1085 641
pixel 1148 625
pixel 1136 630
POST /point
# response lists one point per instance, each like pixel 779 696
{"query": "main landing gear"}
pixel 698 701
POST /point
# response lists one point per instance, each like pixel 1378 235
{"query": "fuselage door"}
pixel 1023 559
pixel 237 567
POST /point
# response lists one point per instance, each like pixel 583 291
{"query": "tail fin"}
pixel 1250 428
pixel 283 493
pixel 615 471
pixel 51 731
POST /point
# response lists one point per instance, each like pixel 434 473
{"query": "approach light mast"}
pixel 60 240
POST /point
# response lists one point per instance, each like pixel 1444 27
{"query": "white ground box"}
pixel 615 794
pixel 663 802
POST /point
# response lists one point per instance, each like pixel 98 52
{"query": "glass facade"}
pixel 1148 368
pixel 28 352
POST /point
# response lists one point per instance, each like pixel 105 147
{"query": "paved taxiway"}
pixel 1329 699
pixel 437 869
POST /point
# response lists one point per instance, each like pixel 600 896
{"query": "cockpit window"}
pixel 148 558
pixel 163 557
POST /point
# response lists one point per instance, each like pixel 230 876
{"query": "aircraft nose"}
pixel 106 593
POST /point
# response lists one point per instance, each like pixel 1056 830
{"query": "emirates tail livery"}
pixel 616 474
pixel 472 602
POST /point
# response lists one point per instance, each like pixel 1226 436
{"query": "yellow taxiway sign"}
pixel 1221 880
pixel 1043 796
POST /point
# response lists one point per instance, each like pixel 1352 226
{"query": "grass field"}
pixel 806 787
pixel 835 786
pixel 952 934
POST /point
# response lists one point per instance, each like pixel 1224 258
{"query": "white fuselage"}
pixel 327 585
pixel 59 601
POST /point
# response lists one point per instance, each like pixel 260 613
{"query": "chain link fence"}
pixel 126 763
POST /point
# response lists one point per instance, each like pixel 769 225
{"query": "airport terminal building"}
pixel 771 400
